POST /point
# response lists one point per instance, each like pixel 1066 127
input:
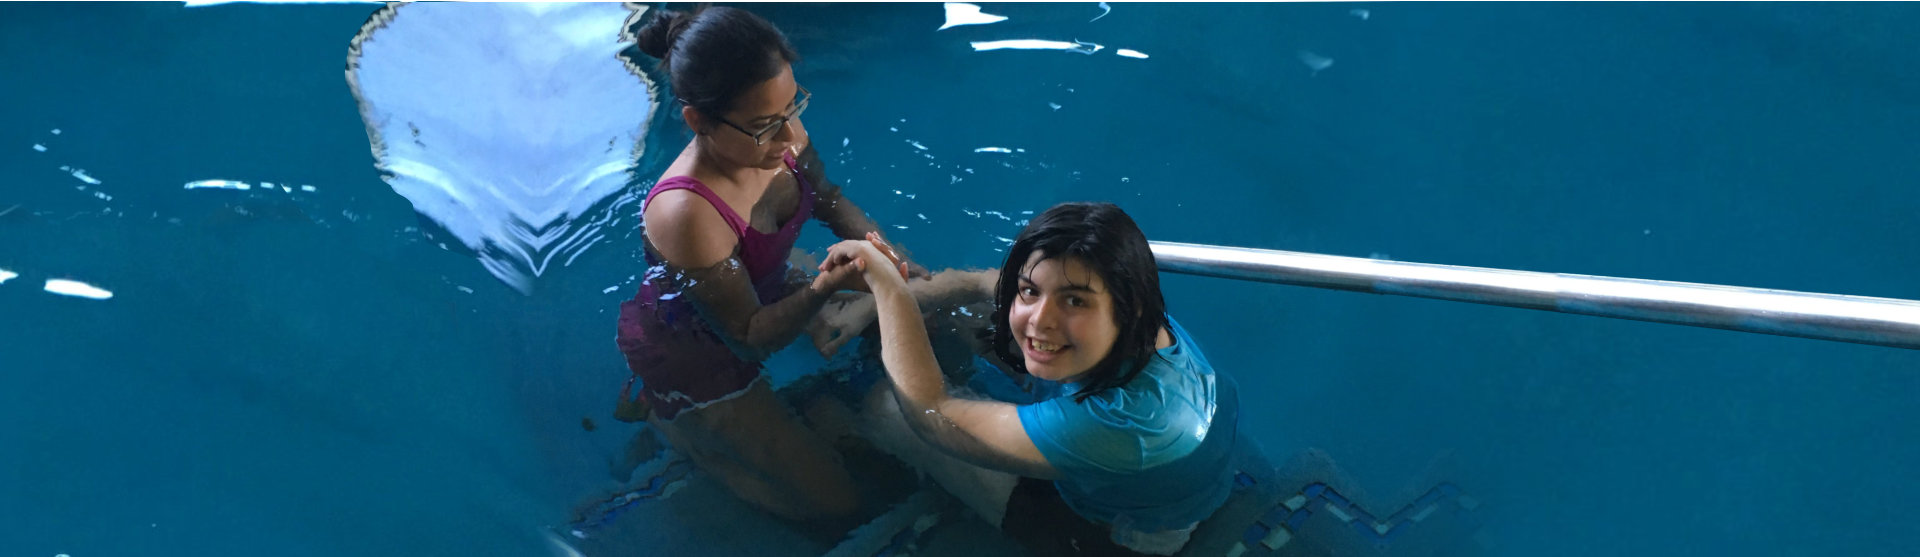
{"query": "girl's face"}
pixel 1062 317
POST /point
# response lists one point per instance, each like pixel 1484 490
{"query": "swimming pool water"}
pixel 300 372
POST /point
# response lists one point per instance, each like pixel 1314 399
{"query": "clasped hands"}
pixel 877 262
pixel 858 265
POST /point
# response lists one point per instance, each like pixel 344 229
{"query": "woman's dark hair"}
pixel 713 55
pixel 1105 239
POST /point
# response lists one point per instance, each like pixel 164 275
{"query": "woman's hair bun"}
pixel 655 37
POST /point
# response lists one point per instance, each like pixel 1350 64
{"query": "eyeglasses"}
pixel 760 136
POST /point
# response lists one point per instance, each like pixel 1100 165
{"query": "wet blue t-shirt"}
pixel 1149 455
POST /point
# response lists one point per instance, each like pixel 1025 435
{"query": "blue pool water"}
pixel 295 372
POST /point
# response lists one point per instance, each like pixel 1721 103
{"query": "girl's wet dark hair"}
pixel 713 55
pixel 1105 239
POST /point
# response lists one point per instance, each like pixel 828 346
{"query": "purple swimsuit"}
pixel 680 358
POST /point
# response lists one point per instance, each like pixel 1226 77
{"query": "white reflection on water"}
pixel 77 289
pixel 504 123
pixel 1315 62
pixel 959 13
pixel 219 184
pixel 1082 47
pixel 81 174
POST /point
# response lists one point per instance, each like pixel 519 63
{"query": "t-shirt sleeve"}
pixel 1074 440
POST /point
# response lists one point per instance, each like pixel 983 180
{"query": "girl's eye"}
pixel 1028 292
pixel 1076 301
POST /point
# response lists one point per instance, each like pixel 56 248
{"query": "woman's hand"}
pixel 838 278
pixel 873 258
pixel 915 271
pixel 893 256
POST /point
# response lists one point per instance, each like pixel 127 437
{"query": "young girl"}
pixel 1137 444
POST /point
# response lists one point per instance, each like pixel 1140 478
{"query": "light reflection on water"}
pixel 1081 47
pixel 508 125
pixel 68 287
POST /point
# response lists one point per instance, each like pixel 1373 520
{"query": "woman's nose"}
pixel 786 132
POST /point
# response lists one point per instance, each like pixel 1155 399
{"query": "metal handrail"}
pixel 1856 319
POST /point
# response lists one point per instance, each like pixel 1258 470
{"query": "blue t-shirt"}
pixel 1149 455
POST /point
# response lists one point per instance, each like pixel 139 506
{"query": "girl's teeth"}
pixel 1044 347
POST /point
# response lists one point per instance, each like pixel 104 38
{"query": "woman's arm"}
pixel 984 433
pixel 697 245
pixel 832 207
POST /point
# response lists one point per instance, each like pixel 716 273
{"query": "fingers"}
pixel 852 253
pixel 850 275
pixel 824 338
pixel 879 242
pixel 820 331
pixel 840 270
pixel 884 248
pixel 892 255
pixel 833 346
pixel 841 253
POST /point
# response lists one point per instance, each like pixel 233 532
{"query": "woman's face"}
pixel 1062 317
pixel 771 110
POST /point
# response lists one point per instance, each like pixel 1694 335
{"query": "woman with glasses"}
pixel 719 296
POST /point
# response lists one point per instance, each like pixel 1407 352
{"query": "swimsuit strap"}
pixel 733 219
